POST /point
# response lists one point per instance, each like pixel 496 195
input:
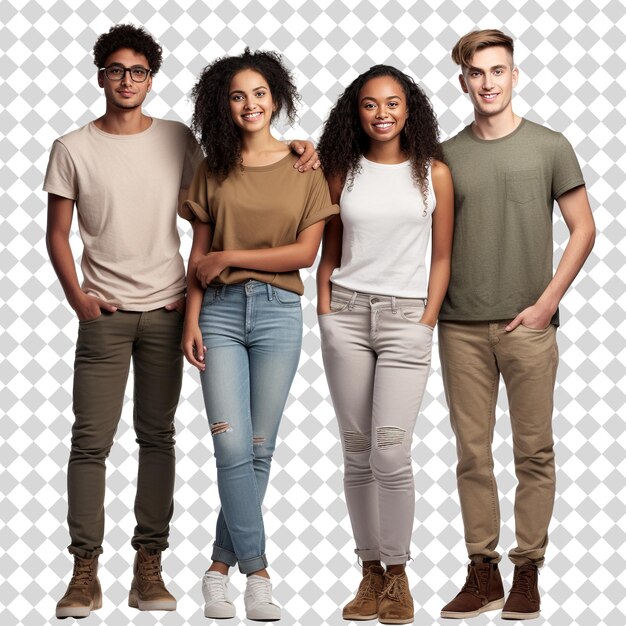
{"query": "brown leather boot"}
pixel 523 601
pixel 396 602
pixel 364 605
pixel 481 592
pixel 83 594
pixel 147 591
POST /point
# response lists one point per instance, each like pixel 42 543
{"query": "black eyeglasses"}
pixel 137 73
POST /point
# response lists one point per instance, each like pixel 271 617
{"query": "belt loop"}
pixel 352 300
pixel 270 295
pixel 223 292
pixel 394 308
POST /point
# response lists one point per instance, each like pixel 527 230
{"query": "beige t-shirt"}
pixel 259 207
pixel 126 191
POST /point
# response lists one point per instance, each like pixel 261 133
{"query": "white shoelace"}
pixel 216 588
pixel 259 588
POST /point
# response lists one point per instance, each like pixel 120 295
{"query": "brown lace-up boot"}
pixel 396 602
pixel 83 594
pixel 523 601
pixel 147 591
pixel 364 605
pixel 481 592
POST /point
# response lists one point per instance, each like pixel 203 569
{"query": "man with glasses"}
pixel 126 172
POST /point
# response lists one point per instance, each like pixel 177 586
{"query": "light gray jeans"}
pixel 377 359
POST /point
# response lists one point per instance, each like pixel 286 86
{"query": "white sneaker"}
pixel 215 592
pixel 258 600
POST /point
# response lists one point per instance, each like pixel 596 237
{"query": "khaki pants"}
pixel 473 355
pixel 377 358
pixel 104 349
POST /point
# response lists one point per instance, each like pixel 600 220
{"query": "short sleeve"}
pixel 566 172
pixel 318 205
pixel 196 205
pixel 193 158
pixel 61 178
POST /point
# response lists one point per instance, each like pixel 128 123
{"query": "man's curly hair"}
pixel 344 141
pixel 212 121
pixel 128 36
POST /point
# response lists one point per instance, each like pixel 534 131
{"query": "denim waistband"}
pixel 249 288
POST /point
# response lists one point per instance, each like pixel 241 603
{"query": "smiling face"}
pixel 125 93
pixel 382 109
pixel 251 103
pixel 489 81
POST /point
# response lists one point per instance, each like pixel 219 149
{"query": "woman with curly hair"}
pixel 377 312
pixel 256 222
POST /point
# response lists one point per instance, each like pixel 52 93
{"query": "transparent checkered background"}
pixel 571 57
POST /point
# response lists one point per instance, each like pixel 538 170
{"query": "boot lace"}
pixel 396 588
pixel 367 588
pixel 83 572
pixel 476 580
pixel 150 567
pixel 524 580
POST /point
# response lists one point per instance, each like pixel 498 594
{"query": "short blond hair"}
pixel 469 44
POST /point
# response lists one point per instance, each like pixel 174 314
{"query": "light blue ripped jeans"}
pixel 253 335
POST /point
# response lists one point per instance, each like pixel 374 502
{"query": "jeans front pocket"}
pixel 285 297
pixel 414 314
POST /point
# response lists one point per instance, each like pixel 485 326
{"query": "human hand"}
pixel 192 346
pixel 89 307
pixel 178 305
pixel 536 317
pixel 209 267
pixel 309 159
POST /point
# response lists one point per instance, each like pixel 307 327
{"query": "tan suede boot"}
pixel 147 591
pixel 482 591
pixel 364 605
pixel 83 594
pixel 396 602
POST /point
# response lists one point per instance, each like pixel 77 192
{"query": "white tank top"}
pixel 386 231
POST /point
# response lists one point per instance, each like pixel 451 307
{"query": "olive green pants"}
pixel 104 350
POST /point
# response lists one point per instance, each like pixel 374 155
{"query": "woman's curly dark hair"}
pixel 212 121
pixel 344 141
pixel 128 36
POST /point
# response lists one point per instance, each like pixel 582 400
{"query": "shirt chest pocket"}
pixel 522 186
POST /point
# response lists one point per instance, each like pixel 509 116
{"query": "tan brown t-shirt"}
pixel 259 207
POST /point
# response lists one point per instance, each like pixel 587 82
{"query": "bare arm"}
pixel 331 250
pixel 293 256
pixel 60 211
pixel 576 212
pixel 192 345
pixel 443 221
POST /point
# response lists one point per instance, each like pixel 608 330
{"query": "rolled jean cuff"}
pixel 388 559
pixel 224 556
pixel 371 554
pixel 254 564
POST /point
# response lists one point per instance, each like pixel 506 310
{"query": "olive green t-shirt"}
pixel 504 192
pixel 259 207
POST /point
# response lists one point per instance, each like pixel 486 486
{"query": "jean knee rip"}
pixel 258 440
pixel 356 442
pixel 220 427
pixel 388 436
